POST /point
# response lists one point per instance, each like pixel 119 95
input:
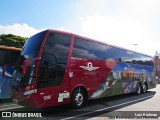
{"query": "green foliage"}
pixel 12 40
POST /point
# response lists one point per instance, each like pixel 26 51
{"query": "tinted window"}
pixel 87 49
pixel 12 56
pixel 58 45
pixel 8 56
pixel 47 70
pixel 54 60
pixel 3 57
pixel 33 44
pixel 142 59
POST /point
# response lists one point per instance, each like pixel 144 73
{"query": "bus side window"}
pixel 47 70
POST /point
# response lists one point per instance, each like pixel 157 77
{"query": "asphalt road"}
pixel 129 105
pixel 149 105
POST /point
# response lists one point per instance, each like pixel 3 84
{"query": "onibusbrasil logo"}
pixel 18 114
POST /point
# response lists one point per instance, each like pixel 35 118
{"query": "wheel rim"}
pixel 144 88
pixel 139 89
pixel 79 99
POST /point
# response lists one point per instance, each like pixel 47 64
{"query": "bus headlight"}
pixel 29 92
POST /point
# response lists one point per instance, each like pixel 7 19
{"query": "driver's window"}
pixel 47 70
pixel 54 60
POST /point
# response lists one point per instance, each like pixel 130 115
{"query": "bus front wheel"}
pixel 78 98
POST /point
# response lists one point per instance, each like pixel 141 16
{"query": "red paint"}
pixel 26 63
pixel 90 80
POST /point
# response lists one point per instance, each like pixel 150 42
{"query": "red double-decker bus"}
pixel 58 68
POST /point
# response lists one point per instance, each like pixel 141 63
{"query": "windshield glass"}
pixel 28 78
pixel 17 75
pixel 22 58
pixel 30 50
pixel 33 44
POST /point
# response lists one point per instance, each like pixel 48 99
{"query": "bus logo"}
pixel 89 67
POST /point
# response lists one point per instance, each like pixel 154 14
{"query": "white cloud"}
pixel 119 22
pixel 19 29
pixel 121 32
pixel 122 23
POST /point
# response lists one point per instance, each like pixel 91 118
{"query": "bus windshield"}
pixel 30 50
pixel 33 44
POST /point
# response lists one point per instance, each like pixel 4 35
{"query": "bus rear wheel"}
pixel 144 86
pixel 78 98
pixel 139 89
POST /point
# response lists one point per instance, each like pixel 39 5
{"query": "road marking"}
pixel 7 105
pixel 105 108
pixel 11 108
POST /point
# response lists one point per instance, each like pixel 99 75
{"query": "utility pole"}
pixel 135 46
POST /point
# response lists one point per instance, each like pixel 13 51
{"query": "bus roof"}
pixel 9 48
pixel 97 41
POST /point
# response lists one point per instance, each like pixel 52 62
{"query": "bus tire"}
pixel 78 98
pixel 139 89
pixel 144 86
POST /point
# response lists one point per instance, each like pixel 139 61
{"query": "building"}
pixel 157 64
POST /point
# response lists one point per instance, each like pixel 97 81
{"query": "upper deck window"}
pixel 58 45
pixel 84 48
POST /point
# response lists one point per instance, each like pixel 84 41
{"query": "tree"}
pixel 12 40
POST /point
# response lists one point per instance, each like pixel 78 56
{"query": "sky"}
pixel 117 22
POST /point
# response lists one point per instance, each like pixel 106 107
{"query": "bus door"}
pixel 52 69
pixel 47 80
